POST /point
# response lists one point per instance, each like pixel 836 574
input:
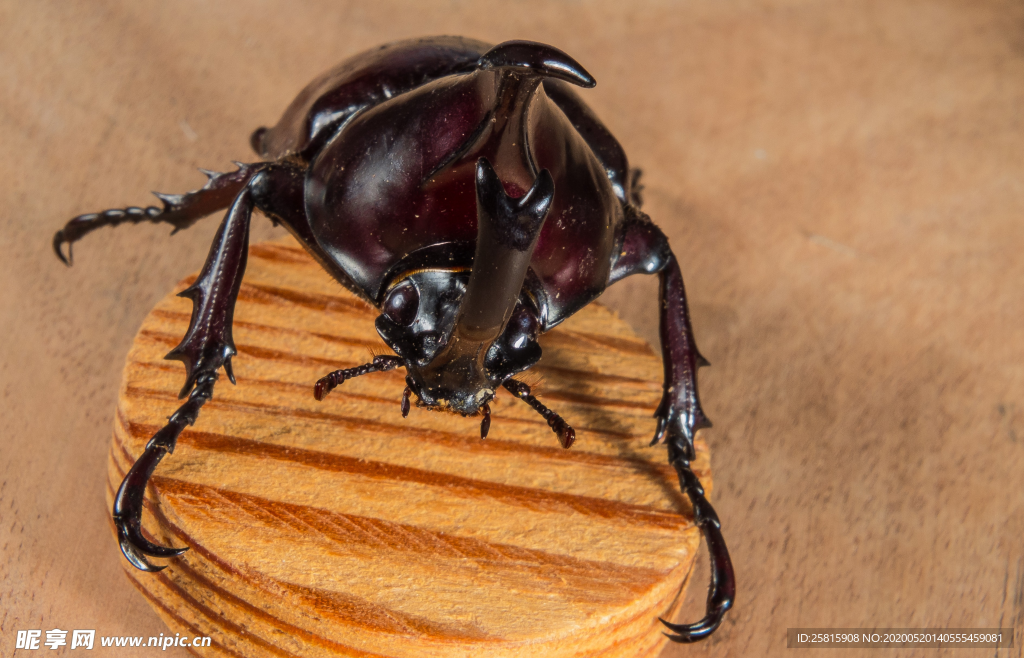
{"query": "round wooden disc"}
pixel 338 528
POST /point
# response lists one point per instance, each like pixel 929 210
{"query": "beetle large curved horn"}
pixel 507 232
pixel 538 59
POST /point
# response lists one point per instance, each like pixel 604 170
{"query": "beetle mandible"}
pixel 469 194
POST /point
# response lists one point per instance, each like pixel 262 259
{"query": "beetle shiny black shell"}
pixel 393 138
pixel 468 193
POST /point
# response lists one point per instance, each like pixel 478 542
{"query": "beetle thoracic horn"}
pixel 538 59
pixel 507 232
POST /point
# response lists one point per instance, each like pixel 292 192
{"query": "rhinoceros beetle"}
pixel 469 194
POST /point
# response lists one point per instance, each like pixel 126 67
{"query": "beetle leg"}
pixel 179 210
pixel 679 417
pixel 206 347
pixel 644 249
pixel 406 395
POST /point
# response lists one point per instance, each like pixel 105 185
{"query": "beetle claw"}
pixel 58 244
pixel 136 558
pixel 136 548
pixel 128 510
pixel 687 633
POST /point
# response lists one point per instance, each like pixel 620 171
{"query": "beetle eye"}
pixel 402 303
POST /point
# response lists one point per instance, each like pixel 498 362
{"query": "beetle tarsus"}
pixel 128 502
pixel 722 591
pixel 566 434
pixel 380 363
pixel 179 210
pixel 79 226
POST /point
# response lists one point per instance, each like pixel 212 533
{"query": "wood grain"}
pixel 341 529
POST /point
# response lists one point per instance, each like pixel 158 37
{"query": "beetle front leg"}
pixel 207 346
pixel 679 417
pixel 644 249
pixel 179 210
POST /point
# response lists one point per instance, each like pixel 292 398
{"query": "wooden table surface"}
pixel 842 182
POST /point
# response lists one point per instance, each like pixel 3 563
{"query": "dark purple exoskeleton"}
pixel 469 194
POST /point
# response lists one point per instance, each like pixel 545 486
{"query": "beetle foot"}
pixel 179 210
pixel 79 226
pixel 128 502
pixel 722 590
pixel 380 363
pixel 566 434
pixel 128 513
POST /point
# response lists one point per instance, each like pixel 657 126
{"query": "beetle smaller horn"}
pixel 507 232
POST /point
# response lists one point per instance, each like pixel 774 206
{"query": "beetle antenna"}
pixel 380 363
pixel 566 434
pixel 534 380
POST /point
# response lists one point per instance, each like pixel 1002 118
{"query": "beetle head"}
pixel 462 333
pixel 444 368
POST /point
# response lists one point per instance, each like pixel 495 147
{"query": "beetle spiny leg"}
pixel 405 401
pixel 566 434
pixel 380 363
pixel 485 424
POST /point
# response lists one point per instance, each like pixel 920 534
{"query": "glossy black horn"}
pixel 535 58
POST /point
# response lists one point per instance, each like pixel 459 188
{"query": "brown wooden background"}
pixel 843 183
